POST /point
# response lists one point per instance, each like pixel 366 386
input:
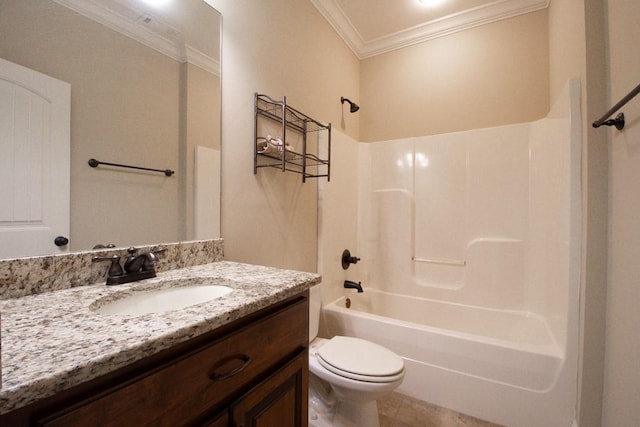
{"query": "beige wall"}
pixel 576 40
pixel 486 76
pixel 595 181
pixel 280 47
pixel 566 43
pixel 622 376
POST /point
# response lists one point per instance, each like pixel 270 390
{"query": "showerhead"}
pixel 353 106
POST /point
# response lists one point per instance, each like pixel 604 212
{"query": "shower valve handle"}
pixel 348 259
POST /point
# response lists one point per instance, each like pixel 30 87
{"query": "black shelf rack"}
pixel 302 161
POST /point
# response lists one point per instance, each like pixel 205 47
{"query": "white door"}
pixel 34 161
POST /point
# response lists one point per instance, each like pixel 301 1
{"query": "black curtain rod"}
pixel 95 163
pixel 618 122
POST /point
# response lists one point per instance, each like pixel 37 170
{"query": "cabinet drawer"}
pixel 198 382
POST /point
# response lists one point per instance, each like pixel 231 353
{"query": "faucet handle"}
pixel 348 259
pixel 115 269
pixel 157 251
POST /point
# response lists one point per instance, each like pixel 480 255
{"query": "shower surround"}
pixel 471 241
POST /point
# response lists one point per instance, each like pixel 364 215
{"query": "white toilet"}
pixel 347 375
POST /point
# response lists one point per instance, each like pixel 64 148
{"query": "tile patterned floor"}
pixel 398 410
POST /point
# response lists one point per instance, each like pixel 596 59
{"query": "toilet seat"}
pixel 360 360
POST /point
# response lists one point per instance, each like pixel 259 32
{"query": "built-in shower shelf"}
pixel 298 147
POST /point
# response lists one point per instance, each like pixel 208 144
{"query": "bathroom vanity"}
pixel 237 360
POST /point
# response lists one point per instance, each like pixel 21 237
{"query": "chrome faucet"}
pixel 136 267
pixel 348 284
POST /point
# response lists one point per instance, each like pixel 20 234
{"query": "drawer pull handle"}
pixel 219 377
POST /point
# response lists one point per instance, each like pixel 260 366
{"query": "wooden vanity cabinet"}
pixel 253 372
pixel 280 401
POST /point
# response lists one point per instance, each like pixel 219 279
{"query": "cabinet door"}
pixel 222 420
pixel 279 401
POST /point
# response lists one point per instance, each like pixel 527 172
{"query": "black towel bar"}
pixel 95 163
pixel 618 121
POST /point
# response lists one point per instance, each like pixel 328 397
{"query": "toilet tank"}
pixel 315 305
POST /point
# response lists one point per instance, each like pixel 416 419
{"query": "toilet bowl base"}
pixel 334 410
pixel 347 415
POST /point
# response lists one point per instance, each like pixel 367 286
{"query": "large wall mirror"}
pixel 145 91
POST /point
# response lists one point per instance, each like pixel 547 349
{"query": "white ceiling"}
pixel 372 27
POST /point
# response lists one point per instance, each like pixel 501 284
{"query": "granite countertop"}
pixel 54 341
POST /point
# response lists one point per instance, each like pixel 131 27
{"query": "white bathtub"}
pixel 494 364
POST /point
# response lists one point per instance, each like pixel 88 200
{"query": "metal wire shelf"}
pixel 286 159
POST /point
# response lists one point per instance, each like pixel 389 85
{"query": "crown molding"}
pixel 168 43
pixel 481 15
pixel 340 22
pixel 196 57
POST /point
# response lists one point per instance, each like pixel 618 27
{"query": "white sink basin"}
pixel 160 300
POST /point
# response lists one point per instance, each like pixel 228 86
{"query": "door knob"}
pixel 61 241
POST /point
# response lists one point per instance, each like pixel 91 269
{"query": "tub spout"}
pixel 348 284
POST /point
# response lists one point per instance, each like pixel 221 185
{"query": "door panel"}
pixel 34 161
